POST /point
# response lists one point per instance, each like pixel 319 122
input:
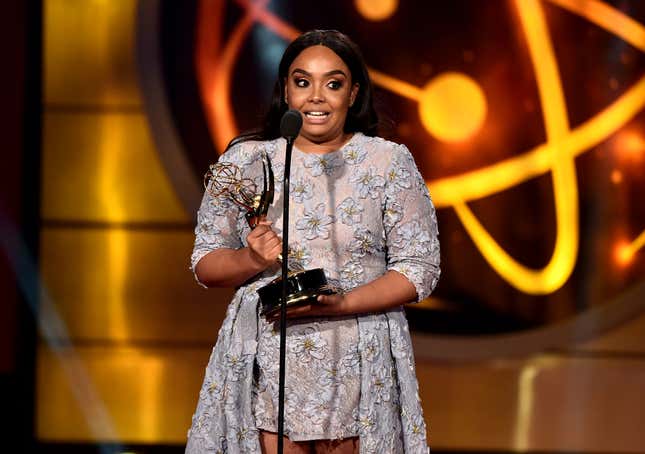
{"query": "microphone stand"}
pixel 283 306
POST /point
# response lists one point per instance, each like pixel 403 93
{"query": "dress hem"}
pixel 307 437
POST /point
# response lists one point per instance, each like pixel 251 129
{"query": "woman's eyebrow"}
pixel 327 74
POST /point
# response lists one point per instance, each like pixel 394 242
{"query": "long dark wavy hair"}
pixel 361 117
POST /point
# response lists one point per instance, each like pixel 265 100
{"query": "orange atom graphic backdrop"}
pixel 526 118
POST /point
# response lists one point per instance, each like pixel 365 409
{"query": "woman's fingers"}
pixel 330 300
pixel 292 312
pixel 325 306
pixel 264 243
pixel 260 231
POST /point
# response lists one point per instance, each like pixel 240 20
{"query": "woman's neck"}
pixel 310 146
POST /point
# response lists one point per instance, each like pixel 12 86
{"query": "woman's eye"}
pixel 334 84
pixel 301 83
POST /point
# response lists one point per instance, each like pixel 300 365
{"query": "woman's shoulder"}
pixel 248 151
pixel 385 148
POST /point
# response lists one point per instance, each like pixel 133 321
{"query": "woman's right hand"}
pixel 264 244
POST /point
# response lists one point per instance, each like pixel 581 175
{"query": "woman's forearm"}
pixel 388 291
pixel 227 267
pixel 384 293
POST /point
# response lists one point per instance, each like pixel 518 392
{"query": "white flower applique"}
pixel 236 364
pixel 301 189
pixel 315 223
pixel 213 389
pixel 315 410
pixel 392 215
pixel 278 176
pixel 299 256
pixel 322 164
pixel 245 436
pixel 370 347
pixel 349 211
pixel 382 383
pixel 330 376
pixel 364 242
pixel 398 178
pixel 350 363
pixel 411 236
pixel 367 182
pixel 366 421
pixel 417 428
pixel 351 275
pixel 309 345
pixel 354 155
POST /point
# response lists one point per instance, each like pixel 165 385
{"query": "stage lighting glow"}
pixel 452 107
pixel 623 254
pixel 625 251
pixel 630 146
pixel 638 243
pixel 116 244
pixel 557 155
pixel 376 10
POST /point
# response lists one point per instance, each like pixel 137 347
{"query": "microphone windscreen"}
pixel 290 124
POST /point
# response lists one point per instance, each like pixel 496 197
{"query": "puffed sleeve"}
pixel 410 223
pixel 217 223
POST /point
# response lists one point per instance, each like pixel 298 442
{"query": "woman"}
pixel 361 211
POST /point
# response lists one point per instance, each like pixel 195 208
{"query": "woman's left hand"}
pixel 326 306
pixel 383 293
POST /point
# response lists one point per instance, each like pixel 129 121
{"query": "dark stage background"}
pixel 526 118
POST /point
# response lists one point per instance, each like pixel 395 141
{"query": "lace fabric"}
pixel 356 212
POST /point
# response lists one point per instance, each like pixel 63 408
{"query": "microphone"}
pixel 290 124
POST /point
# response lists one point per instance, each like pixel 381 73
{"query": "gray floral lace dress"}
pixel 356 212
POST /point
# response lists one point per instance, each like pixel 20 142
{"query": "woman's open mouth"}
pixel 316 116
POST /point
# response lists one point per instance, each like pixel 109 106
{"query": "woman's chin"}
pixel 320 135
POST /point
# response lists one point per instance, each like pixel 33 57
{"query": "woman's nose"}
pixel 316 95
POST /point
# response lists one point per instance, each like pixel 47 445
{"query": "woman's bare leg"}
pixel 269 444
pixel 346 446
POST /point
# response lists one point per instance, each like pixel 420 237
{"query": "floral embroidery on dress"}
pixel 349 211
pixel 357 213
pixel 299 256
pixel 382 384
pixel 351 274
pixel 322 164
pixel 370 347
pixel 309 345
pixel 392 215
pixel 354 155
pixel 411 235
pixel 364 242
pixel 368 182
pixel 301 189
pixel 398 178
pixel 315 223
pixel 221 205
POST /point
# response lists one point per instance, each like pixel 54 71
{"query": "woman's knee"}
pixel 269 444
pixel 345 446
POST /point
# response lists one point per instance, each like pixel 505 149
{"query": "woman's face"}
pixel 319 85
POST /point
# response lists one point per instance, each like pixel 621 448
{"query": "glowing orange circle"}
pixel 452 107
pixel 376 10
